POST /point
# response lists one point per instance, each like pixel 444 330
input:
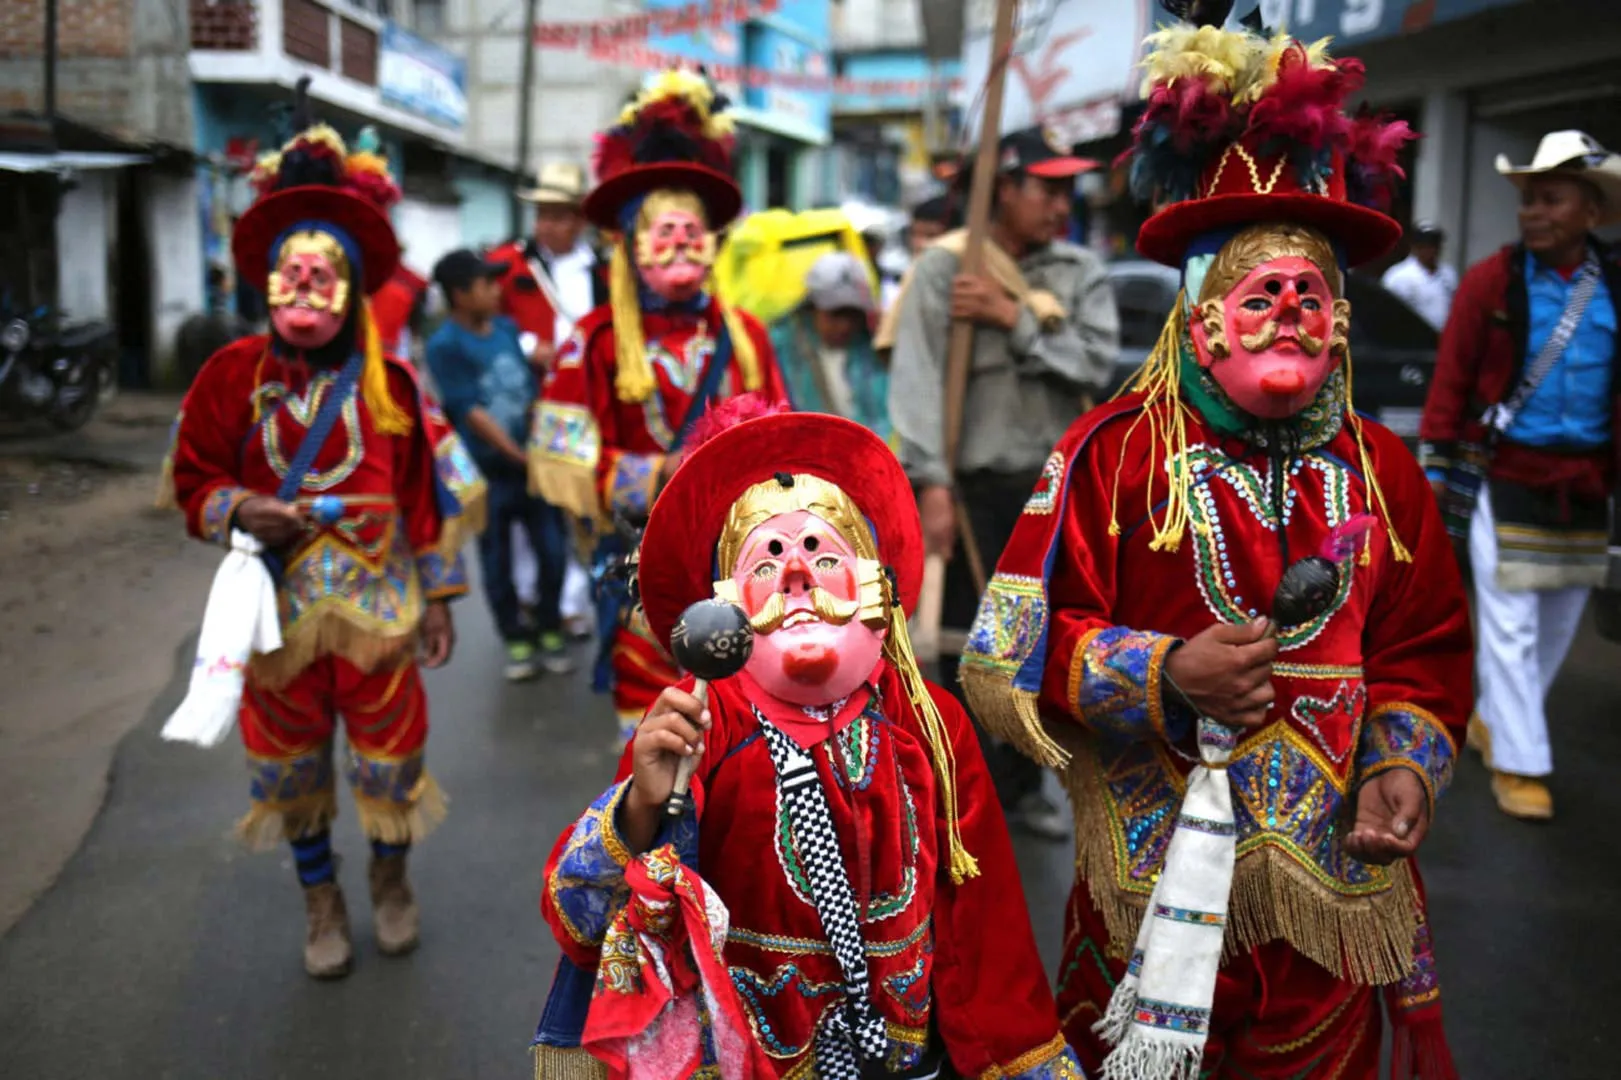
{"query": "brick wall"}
pixel 85 29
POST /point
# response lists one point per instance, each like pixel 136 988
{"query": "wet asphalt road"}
pixel 167 953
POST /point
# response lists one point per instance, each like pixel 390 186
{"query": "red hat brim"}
pixel 718 192
pixel 677 563
pixel 257 230
pixel 1362 233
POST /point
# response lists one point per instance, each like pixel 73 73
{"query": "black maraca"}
pixel 712 640
pixel 1308 586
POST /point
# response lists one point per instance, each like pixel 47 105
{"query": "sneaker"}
pixel 521 664
pixel 554 655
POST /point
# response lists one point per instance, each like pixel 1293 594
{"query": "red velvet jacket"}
pixel 1480 362
pixel 960 956
pixel 393 304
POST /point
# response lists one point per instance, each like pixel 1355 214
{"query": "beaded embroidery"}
pixel 1044 499
pixel 303 409
pixel 1332 723
pixel 567 433
pixel 1010 620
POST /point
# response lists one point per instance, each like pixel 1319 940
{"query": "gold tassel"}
pixel 567 1063
pixel 1160 382
pixel 386 413
pixel 899 647
pixel 407 822
pixel 742 349
pixel 633 381
pixel 1376 494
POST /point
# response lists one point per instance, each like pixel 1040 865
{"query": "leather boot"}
pixel 1524 797
pixel 327 952
pixel 394 908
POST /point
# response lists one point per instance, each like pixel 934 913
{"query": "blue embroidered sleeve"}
pixel 631 483
pixel 442 578
pixel 1116 686
pixel 588 884
pixel 1399 735
pixel 217 512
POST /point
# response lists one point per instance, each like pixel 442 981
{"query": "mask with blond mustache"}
pixel 799 581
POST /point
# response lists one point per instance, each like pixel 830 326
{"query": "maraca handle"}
pixel 680 802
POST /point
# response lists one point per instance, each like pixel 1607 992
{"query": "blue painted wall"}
pixel 891 66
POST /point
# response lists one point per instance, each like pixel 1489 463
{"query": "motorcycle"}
pixel 60 371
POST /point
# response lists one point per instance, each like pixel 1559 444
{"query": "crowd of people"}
pixel 1224 607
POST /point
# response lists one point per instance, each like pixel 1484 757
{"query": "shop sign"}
pixel 421 77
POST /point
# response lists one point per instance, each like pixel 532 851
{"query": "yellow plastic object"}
pixel 762 265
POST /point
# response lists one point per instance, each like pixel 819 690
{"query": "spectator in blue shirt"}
pixel 488 388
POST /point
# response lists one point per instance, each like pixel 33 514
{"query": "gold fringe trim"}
pixel 268 825
pixel 742 349
pixel 456 531
pixel 898 646
pixel 567 1063
pixel 569 487
pixel 385 411
pixel 1160 382
pixel 633 376
pixel 407 822
pixel 1376 494
pixel 1369 939
pixel 165 498
pixel 332 633
pixel 1011 715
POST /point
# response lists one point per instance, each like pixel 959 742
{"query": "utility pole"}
pixel 50 65
pixel 526 93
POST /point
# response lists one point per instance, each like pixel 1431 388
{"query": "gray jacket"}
pixel 1024 387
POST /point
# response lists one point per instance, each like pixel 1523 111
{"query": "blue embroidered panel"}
pixel 630 487
pixel 386 781
pixel 441 576
pixel 1402 735
pixel 217 511
pixel 1118 689
pixel 291 779
pixel 1063 1065
pixel 588 885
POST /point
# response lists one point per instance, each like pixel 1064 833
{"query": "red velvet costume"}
pixel 392 305
pixel 1174 509
pixel 951 960
pixel 615 401
pixel 352 592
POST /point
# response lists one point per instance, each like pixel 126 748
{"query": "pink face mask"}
pixel 308 297
pixel 798 582
pixel 673 253
pixel 1269 346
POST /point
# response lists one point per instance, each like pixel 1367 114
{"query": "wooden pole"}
pixel 960 353
pixel 526 108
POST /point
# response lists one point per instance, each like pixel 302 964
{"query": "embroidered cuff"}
pixel 1054 1061
pixel 442 576
pixel 1399 735
pixel 217 510
pixel 1116 686
pixel 631 483
pixel 587 886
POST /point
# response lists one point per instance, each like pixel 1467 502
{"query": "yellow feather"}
pixel 1218 57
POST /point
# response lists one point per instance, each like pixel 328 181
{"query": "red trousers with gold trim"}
pixel 288 733
pixel 1277 1015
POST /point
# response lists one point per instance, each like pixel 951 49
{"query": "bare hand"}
pixel 672 462
pixel 1392 818
pixel 271 521
pixel 438 634
pixel 980 299
pixel 545 352
pixel 1226 672
pixel 938 508
pixel 1438 488
pixel 674 729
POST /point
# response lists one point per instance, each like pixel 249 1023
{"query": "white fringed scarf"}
pixel 1159 1017
pixel 240 620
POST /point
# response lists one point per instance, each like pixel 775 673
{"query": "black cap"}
pixel 936 209
pixel 1040 152
pixel 1427 232
pixel 464 266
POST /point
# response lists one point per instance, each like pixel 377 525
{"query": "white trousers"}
pixel 526 577
pixel 1522 641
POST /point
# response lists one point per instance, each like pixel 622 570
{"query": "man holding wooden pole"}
pixel 1039 332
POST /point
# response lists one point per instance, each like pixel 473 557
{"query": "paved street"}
pixel 166 952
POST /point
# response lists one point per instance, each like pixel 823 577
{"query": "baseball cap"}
pixel 464 266
pixel 837 281
pixel 1426 230
pixel 1040 152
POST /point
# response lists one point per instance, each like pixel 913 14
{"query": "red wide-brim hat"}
pixel 718 192
pixel 677 563
pixel 1243 187
pixel 265 221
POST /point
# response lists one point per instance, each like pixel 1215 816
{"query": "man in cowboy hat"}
pixel 553 279
pixel 1518 436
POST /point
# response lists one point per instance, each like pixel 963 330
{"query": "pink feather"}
pixel 1304 105
pixel 1377 141
pixel 1189 112
pixel 1343 538
pixel 729 414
